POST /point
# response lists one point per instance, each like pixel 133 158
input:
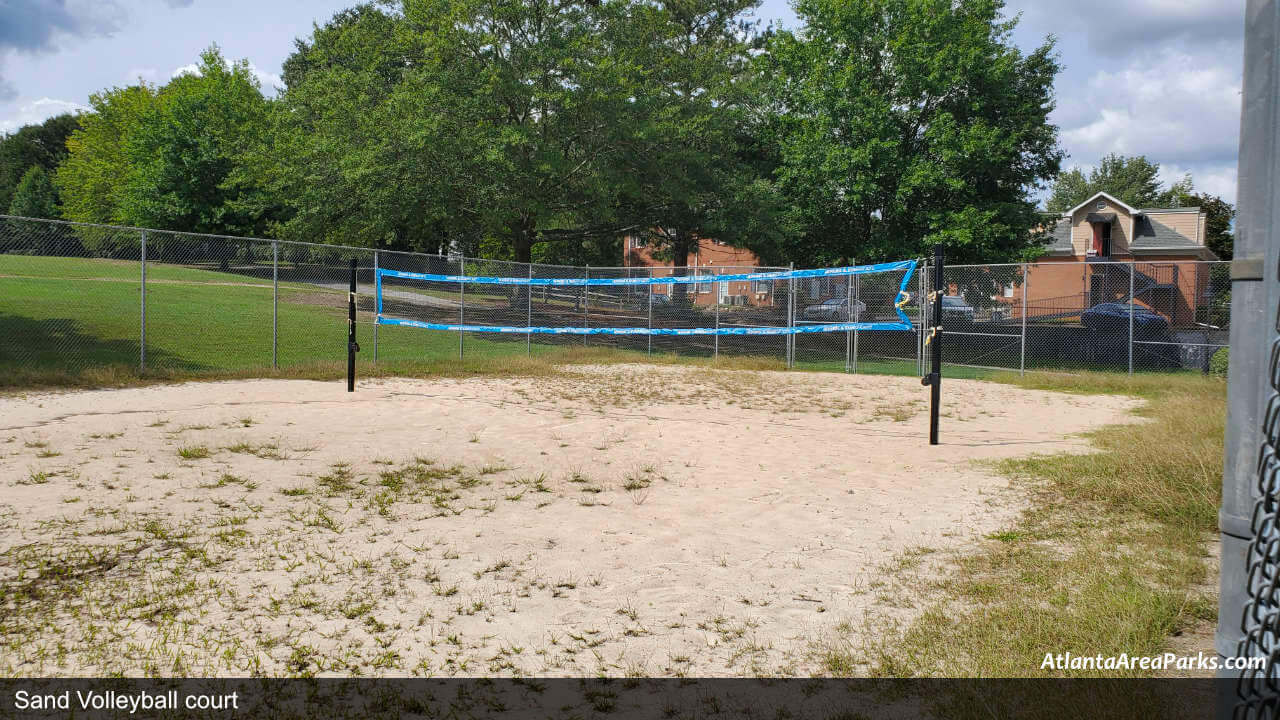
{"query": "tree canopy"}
pixel 43 145
pixel 35 196
pixel 546 130
pixel 905 123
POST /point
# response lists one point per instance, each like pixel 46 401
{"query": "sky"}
pixel 1159 78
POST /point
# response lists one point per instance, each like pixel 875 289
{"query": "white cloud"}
pixel 38 111
pixel 1178 109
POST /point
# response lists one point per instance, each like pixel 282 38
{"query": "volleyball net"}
pixel 704 301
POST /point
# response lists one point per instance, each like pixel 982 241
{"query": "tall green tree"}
pixel 43 145
pixel 1218 216
pixel 907 123
pixel 185 147
pixel 692 170
pixel 459 124
pixel 35 195
pixel 1134 180
pixel 92 180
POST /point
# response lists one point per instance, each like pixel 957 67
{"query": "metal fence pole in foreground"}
pixel 586 303
pixel 275 310
pixel 1246 609
pixel 142 333
pixel 528 292
pixel 375 318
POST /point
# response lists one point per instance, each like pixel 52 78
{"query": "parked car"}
pixel 834 310
pixel 955 308
pixel 1114 316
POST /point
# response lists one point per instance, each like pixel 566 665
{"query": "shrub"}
pixel 1218 363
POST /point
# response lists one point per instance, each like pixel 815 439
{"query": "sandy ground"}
pixel 623 520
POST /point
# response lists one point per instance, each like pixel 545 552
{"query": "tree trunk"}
pixel 522 244
pixel 681 244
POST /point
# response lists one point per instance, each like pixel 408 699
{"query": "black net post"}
pixel 352 347
pixel 933 336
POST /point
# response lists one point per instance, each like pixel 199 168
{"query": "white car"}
pixel 834 310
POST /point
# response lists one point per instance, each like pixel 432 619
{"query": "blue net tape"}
pixel 909 265
pixel 904 322
pixel 825 327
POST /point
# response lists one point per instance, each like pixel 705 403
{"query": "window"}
pixel 1008 290
pixel 639 242
pixel 763 286
pixel 702 287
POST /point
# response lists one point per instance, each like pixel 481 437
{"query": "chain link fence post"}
pixel 462 304
pixel 275 309
pixel 142 333
pixel 791 319
pixel 649 336
pixel 375 310
pixel 848 336
pixel 716 298
pixel 586 302
pixel 1022 350
pixel 1131 302
pixel 528 322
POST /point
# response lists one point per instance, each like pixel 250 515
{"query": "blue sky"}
pixel 1154 77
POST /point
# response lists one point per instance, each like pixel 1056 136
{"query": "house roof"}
pixel 1132 210
pixel 1060 238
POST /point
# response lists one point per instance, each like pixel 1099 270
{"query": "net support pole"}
pixel 377 310
pixel 1022 350
pixel 352 347
pixel 142 330
pixel 1131 301
pixel 934 336
pixel 275 308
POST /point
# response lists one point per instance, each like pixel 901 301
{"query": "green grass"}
pixel 1108 558
pixel 67 321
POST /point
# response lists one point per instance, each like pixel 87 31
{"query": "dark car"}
pixel 1114 316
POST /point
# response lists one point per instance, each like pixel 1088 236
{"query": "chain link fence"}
pixel 72 300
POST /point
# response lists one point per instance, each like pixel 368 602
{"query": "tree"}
pixel 907 123
pixel 92 179
pixel 457 123
pixel 691 171
pixel 1218 216
pixel 185 146
pixel 35 195
pixel 1133 180
pixel 43 145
